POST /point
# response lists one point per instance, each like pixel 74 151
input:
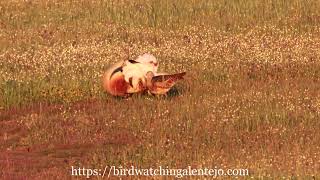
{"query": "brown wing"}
pixel 166 81
pixel 169 77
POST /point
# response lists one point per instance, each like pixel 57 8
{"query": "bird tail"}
pixel 114 83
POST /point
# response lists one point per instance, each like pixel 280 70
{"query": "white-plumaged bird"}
pixel 148 61
pixel 114 83
pixel 124 78
pixel 135 70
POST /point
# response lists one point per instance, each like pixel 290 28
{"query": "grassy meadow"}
pixel 250 99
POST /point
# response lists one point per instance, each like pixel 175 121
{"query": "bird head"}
pixel 149 77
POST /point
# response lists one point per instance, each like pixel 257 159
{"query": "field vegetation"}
pixel 250 99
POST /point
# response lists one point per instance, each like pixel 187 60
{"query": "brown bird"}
pixel 161 84
pixel 138 76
